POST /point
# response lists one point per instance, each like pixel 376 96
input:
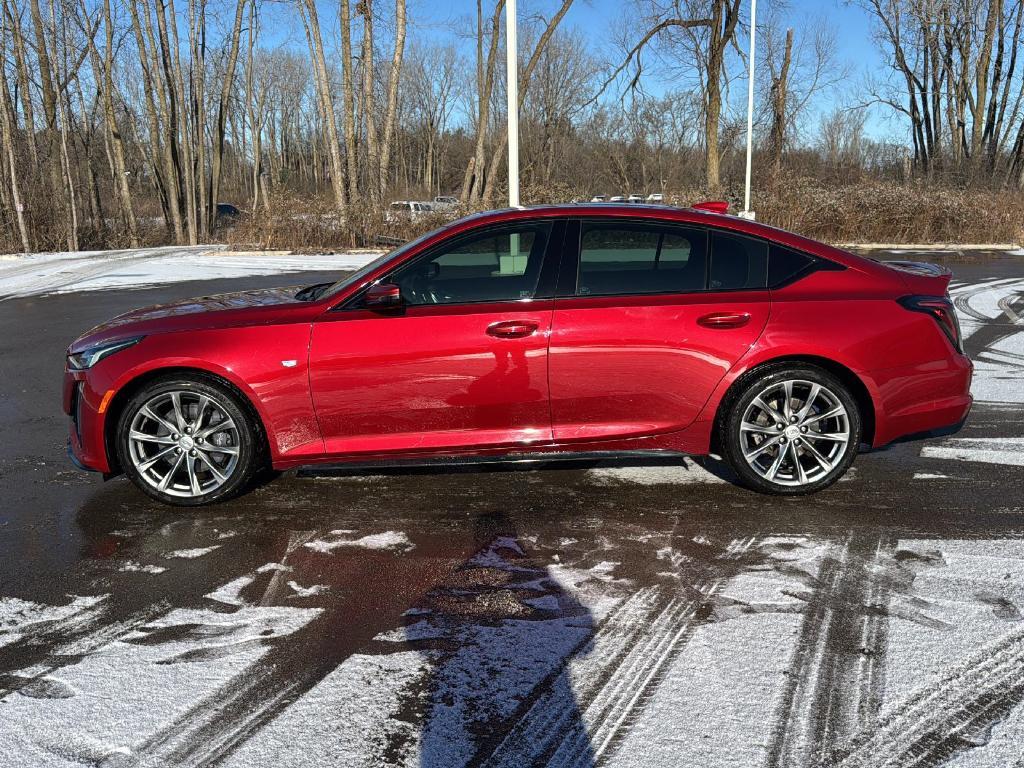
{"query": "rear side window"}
pixel 786 265
pixel 617 259
pixel 737 263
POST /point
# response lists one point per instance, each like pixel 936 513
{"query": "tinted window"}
pixel 620 259
pixel 496 266
pixel 737 263
pixel 785 264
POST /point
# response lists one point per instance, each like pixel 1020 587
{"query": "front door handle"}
pixel 512 329
pixel 724 320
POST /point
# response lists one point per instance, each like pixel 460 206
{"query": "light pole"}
pixel 746 213
pixel 512 78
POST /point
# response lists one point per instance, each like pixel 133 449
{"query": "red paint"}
pixel 579 373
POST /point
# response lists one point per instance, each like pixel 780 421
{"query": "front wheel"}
pixel 188 441
pixel 791 431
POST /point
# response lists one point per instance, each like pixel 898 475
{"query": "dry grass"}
pixel 863 210
pixel 877 211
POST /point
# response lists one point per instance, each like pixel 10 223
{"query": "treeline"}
pixel 131 122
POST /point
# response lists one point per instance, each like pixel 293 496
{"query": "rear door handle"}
pixel 724 320
pixel 512 329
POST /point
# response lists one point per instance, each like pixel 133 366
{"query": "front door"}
pixel 657 315
pixel 462 364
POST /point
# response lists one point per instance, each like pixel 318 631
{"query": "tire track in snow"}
pixel 214 728
pixel 838 669
pixel 630 652
pixel 946 718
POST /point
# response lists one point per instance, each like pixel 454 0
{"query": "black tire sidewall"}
pixel 249 455
pixel 730 439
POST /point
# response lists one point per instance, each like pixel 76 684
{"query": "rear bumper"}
pixel 921 400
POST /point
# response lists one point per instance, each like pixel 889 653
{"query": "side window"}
pixel 498 265
pixel 737 263
pixel 617 259
pixel 785 265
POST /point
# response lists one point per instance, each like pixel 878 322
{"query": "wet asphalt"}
pixel 64 533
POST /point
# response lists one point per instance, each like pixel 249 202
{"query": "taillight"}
pixel 941 308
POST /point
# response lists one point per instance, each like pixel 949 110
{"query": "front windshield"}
pixel 361 273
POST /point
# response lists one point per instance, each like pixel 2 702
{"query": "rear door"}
pixel 648 319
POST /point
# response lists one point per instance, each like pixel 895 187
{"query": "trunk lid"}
pixel 922 277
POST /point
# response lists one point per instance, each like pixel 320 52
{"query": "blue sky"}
pixel 598 20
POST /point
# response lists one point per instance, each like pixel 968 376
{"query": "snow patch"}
pixel 231 593
pixel 269 567
pixel 133 567
pixel 686 473
pixel 20 616
pixel 389 540
pixel 191 554
pixel 300 591
pixel 988 450
pixel 43 273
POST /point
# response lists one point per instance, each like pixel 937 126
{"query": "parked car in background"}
pixel 656 198
pixel 635 199
pixel 599 199
pixel 445 202
pixel 532 333
pixel 617 199
pixel 407 210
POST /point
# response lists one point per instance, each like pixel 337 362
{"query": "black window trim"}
pixel 546 281
pixel 569 271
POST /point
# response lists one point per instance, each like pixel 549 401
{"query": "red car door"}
pixel 648 319
pixel 462 363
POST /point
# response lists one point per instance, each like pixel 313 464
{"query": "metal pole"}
pixel 513 102
pixel 747 213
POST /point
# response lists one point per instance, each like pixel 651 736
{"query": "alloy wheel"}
pixel 184 443
pixel 794 432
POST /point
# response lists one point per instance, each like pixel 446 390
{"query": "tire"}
pixel 781 445
pixel 189 441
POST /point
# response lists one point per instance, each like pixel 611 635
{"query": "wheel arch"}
pixel 133 385
pixel 853 382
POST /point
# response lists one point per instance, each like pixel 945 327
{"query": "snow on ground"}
pixel 191 554
pixel 393 540
pixel 677 474
pixel 44 273
pixel 118 702
pixel 989 450
pixel 20 617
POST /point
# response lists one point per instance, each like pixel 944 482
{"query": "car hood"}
pixel 222 310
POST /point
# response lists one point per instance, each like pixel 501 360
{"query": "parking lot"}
pixel 569 615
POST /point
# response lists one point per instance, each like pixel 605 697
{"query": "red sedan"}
pixel 595 330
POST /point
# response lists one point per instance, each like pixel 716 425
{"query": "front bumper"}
pixel 86 425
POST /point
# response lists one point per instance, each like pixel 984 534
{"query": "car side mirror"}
pixel 383 296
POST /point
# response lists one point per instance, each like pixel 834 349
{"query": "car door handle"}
pixel 512 329
pixel 724 320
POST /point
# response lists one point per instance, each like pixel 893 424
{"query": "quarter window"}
pixel 494 266
pixel 785 265
pixel 617 259
pixel 737 263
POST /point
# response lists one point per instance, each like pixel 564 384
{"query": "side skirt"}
pixel 512 461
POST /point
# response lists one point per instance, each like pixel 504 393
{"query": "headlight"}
pixel 87 358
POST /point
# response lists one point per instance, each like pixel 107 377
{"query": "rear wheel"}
pixel 188 441
pixel 792 431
